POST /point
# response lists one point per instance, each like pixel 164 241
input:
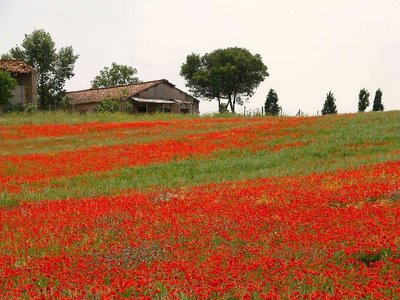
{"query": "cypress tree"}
pixel 271 104
pixel 378 106
pixel 329 105
pixel 363 100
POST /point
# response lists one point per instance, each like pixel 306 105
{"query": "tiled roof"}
pixel 15 66
pixel 116 92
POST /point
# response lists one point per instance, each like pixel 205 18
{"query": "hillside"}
pixel 209 207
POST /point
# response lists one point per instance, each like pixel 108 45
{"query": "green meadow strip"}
pixel 77 118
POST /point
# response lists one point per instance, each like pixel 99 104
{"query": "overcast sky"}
pixel 309 46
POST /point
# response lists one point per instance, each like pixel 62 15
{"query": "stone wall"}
pixel 26 90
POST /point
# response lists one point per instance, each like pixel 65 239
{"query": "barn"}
pixel 145 97
pixel 26 90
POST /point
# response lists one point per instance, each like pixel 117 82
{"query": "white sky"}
pixel 309 46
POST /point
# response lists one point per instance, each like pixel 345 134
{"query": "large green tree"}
pixel 228 75
pixel 329 105
pixel 7 84
pixel 363 100
pixel 115 75
pixel 271 104
pixel 53 67
pixel 378 105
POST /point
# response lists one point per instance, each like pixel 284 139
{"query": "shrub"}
pixel 65 103
pixel 10 107
pixel 7 84
pixel 19 108
pixel 108 105
pixel 30 108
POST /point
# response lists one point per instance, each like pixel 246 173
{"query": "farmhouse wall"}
pixel 162 91
pixel 85 107
pixel 26 90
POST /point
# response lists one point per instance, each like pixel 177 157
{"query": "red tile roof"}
pixel 15 66
pixel 116 92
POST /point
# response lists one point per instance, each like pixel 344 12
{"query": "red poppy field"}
pixel 201 208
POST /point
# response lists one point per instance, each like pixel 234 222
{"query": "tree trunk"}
pixel 226 106
pixel 234 103
pixel 231 105
pixel 41 93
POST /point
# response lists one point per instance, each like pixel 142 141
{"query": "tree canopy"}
pixel 53 67
pixel 329 105
pixel 115 75
pixel 230 75
pixel 271 104
pixel 363 100
pixel 7 84
pixel 378 105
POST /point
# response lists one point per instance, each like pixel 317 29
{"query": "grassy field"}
pixel 172 206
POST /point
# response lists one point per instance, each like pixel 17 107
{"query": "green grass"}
pixel 330 143
pixel 60 117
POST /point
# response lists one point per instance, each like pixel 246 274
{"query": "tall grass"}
pixel 60 117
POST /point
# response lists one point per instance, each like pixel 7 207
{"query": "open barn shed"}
pixel 144 97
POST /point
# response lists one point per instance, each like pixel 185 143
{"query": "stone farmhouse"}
pixel 144 97
pixel 26 90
